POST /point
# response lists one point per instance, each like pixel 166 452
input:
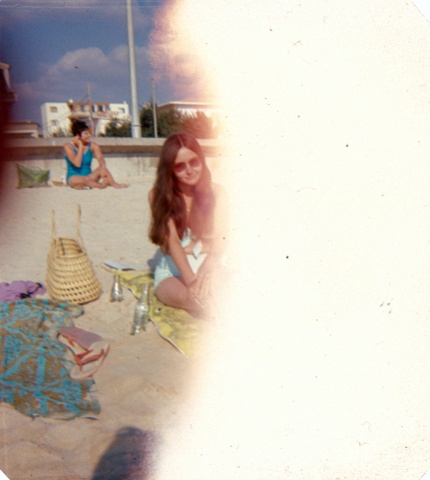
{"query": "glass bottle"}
pixel 141 311
pixel 116 292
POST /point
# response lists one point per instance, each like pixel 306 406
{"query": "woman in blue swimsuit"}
pixel 79 156
pixel 184 205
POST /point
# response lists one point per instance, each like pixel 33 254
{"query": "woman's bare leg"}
pixel 173 293
pixel 98 178
pixel 108 180
pixel 91 181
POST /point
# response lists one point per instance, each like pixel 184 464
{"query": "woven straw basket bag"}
pixel 70 275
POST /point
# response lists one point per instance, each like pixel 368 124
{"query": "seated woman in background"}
pixel 186 207
pixel 79 156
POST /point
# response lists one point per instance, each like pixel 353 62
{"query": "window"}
pixel 53 109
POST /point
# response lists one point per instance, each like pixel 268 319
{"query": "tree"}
pixel 118 128
pixel 170 121
pixel 146 121
pixel 199 125
pixel 174 121
pixel 61 132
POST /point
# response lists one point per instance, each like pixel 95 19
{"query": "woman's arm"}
pixel 214 247
pixel 75 158
pixel 178 254
pixel 97 152
pixel 217 243
pixel 221 222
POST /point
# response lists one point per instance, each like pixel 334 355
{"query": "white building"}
pixel 56 116
pixel 211 110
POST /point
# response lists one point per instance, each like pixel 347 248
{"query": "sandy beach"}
pixel 143 380
pixel 297 392
pixel 320 369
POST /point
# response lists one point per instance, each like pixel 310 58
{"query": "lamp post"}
pixel 135 124
pixel 154 110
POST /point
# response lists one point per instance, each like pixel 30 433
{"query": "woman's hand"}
pixel 75 156
pixel 200 289
pixel 77 142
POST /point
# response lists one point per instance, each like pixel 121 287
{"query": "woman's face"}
pixel 85 137
pixel 188 167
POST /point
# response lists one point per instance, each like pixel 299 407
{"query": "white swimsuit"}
pixel 167 268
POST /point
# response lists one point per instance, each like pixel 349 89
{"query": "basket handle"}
pixel 53 226
pixel 78 227
pixel 54 232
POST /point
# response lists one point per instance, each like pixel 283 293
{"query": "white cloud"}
pixel 84 59
pixel 120 54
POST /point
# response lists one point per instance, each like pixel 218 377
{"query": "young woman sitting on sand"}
pixel 79 156
pixel 185 207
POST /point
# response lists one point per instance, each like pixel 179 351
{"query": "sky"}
pixel 69 49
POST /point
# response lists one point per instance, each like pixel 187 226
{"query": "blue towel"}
pixel 34 366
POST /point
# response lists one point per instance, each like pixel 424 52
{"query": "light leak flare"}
pixel 298 378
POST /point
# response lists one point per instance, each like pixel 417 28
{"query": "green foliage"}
pixel 170 121
pixel 174 121
pixel 146 121
pixel 116 128
pixel 199 125
pixel 61 132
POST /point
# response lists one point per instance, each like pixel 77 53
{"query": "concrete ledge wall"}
pixel 125 157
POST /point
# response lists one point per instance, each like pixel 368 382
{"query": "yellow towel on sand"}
pixel 182 330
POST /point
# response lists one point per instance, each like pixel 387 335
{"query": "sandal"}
pixel 88 349
pixel 87 366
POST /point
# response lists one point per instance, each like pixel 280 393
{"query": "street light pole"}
pixel 135 124
pixel 90 112
pixel 154 111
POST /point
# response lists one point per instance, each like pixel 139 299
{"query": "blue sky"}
pixel 56 48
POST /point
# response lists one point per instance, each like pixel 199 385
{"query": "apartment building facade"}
pixel 56 116
pixel 211 110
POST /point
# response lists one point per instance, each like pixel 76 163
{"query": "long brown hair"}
pixel 167 201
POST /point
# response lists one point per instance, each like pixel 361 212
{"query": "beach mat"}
pixel 178 327
pixel 34 366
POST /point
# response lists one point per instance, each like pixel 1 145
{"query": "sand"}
pixel 329 390
pixel 323 372
pixel 143 381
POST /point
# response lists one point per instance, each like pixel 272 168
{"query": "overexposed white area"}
pixel 319 369
pixel 424 7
